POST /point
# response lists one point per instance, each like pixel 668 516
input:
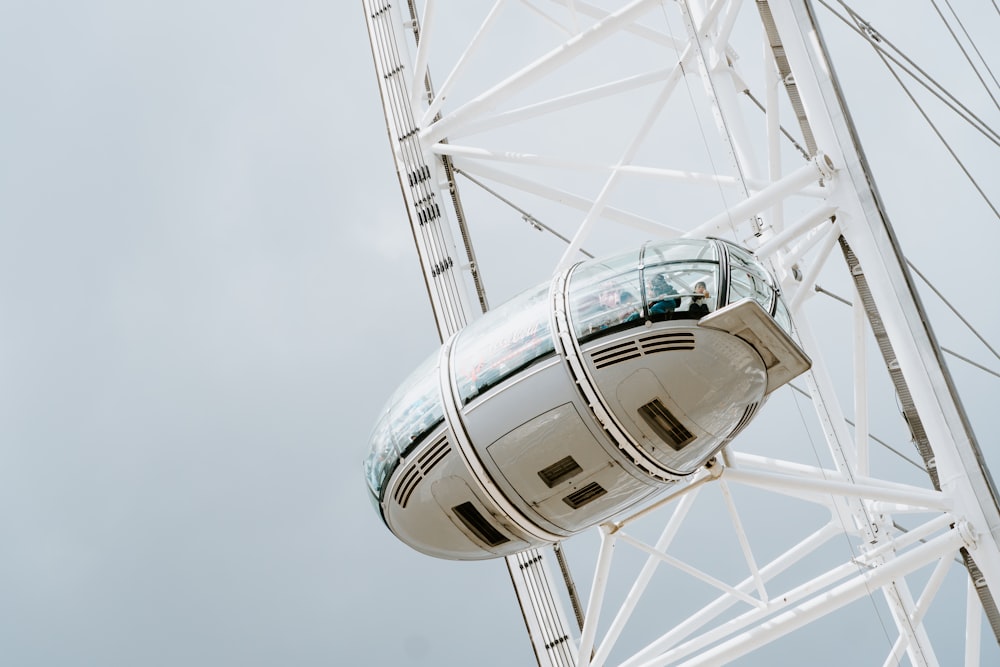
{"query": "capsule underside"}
pixel 535 440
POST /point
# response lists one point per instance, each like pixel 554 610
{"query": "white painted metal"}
pixel 766 198
pixel 597 590
pixel 973 624
pixel 861 434
pixel 507 100
pixel 420 178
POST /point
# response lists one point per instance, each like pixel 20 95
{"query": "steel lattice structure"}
pixel 607 124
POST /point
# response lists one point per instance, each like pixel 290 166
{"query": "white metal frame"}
pixel 801 217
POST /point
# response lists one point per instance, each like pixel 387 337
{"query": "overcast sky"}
pixel 199 227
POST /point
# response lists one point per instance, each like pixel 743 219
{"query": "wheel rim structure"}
pixel 608 125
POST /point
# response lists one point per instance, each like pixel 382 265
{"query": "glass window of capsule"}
pixel 671 280
pixel 413 411
pixel 513 337
pixel 683 279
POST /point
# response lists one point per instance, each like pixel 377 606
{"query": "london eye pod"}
pixel 580 398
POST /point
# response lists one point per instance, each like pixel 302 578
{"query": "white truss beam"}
pixel 804 219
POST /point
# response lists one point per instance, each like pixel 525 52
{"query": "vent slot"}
pixel 434 455
pixel 584 495
pixel 663 341
pixel 615 354
pixel 477 523
pixel 667 340
pixel 426 461
pixel 745 419
pixel 560 471
pixel 407 483
pixel 669 429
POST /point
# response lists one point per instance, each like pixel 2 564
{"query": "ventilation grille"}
pixel 663 341
pixel 745 419
pixel 560 471
pixel 667 340
pixel 477 523
pixel 616 354
pixel 423 464
pixel 669 429
pixel 584 495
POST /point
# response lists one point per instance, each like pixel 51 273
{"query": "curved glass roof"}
pixel 667 280
pixel 503 342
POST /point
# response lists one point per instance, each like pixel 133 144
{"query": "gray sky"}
pixel 197 205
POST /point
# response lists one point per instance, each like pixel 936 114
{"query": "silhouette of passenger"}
pixel 698 306
pixel 660 302
pixel 620 306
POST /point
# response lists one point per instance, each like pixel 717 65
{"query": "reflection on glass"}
pixel 740 258
pixel 605 295
pixel 413 411
pixel 749 279
pixel 679 250
pixel 782 317
pixel 661 295
pixel 690 290
pixel 668 280
pixel 743 284
pixel 382 456
pixel 508 339
pixel 416 407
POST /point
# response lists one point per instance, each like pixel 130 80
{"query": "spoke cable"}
pixel 874 438
pixel 994 373
pixel 836 512
pixel 686 12
pixel 876 40
pixel 525 215
pixel 952 309
pixel 923 540
pixel 784 131
pixel 871 36
pixel 961 48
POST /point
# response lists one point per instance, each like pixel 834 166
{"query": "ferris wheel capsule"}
pixel 580 399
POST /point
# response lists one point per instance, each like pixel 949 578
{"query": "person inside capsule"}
pixel 699 302
pixel 661 296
